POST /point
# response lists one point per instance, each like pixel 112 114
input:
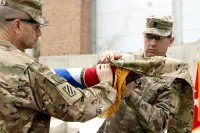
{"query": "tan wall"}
pixel 69 32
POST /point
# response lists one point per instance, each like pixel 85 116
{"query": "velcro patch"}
pixel 58 79
pixel 69 90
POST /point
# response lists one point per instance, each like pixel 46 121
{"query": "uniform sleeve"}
pixel 181 109
pixel 152 107
pixel 56 97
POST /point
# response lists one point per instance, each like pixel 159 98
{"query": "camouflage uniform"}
pixel 30 93
pixel 161 95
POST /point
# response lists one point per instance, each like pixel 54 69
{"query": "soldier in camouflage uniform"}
pixel 153 103
pixel 29 92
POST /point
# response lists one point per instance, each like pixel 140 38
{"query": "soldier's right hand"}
pixel 104 73
pixel 109 55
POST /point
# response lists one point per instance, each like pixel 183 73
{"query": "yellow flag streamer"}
pixel 120 86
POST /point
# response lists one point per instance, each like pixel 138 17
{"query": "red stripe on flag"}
pixel 90 77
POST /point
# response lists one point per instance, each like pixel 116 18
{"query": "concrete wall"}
pixel 191 21
pixel 189 53
pixel 69 61
pixel 120 23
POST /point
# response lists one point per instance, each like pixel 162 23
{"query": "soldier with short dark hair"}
pixel 153 104
pixel 30 93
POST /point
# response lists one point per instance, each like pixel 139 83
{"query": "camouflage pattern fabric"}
pixel 161 98
pixel 159 25
pixel 31 7
pixel 30 94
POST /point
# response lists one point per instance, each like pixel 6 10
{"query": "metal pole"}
pixel 177 11
pixel 93 29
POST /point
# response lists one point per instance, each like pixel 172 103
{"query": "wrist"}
pixel 107 82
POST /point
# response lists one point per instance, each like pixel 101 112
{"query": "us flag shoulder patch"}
pixel 69 90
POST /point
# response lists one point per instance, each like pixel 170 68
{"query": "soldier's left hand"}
pixel 104 72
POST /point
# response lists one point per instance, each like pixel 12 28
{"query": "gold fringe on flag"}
pixel 120 86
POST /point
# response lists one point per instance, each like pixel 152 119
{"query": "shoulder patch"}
pixel 69 90
pixel 69 93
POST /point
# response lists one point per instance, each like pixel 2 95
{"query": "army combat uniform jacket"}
pixel 161 98
pixel 30 93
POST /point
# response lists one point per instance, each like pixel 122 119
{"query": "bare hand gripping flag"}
pixel 161 67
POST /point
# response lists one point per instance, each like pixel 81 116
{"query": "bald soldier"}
pixel 153 104
pixel 29 92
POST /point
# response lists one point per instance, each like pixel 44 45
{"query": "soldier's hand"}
pixel 104 72
pixel 109 55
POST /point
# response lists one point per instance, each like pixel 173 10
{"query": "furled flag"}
pixel 196 122
pixel 79 77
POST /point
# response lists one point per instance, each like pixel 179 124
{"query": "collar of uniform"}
pixel 7 44
pixel 142 55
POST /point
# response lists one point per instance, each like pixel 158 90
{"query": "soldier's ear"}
pixel 16 26
pixel 171 41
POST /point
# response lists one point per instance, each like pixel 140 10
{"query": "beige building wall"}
pixel 69 32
